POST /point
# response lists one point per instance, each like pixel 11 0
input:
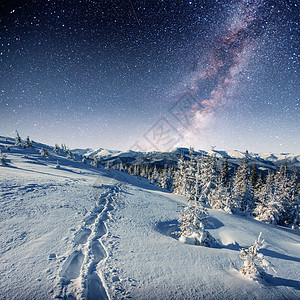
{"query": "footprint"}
pixel 82 236
pixel 71 268
pixel 95 289
pixel 90 219
pixel 100 230
pixel 98 251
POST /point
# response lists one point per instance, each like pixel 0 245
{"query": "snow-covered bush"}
pixel 44 152
pixel 28 143
pixel 255 265
pixel 56 148
pixel 192 225
pixel 3 161
pixel 69 154
pixel 18 141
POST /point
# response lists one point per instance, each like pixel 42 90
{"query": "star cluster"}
pixel 101 73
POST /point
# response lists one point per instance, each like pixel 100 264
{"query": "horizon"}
pixel 149 151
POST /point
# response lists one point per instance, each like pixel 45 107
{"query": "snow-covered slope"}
pixel 85 232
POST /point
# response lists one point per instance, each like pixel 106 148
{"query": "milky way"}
pixel 109 73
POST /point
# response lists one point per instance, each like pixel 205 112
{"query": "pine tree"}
pixel 180 178
pixel 69 154
pixel 18 141
pixel 255 265
pixel 225 172
pixel 192 225
pixel 154 176
pixel 164 180
pixel 293 209
pixel 28 143
pixel 44 152
pixel 253 176
pixel 56 148
pixel 207 178
pixel 190 174
pixel 221 197
pixel 242 191
pixel 3 161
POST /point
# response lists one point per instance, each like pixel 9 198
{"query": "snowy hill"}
pixel 78 231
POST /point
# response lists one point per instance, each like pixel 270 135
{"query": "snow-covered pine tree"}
pixel 225 172
pixel 28 143
pixel 253 176
pixel 180 180
pixel 44 152
pixel 190 174
pixel 18 141
pixel 221 197
pixel 266 208
pixel 163 180
pixel 155 176
pixel 207 179
pixel 242 193
pixel 56 148
pixel 121 167
pixel 3 161
pixel 192 221
pixel 293 209
pixel 255 265
pixel 64 147
pixel 69 154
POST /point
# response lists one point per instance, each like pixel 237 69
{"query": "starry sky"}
pixel 152 75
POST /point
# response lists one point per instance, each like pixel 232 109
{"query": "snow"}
pixel 90 233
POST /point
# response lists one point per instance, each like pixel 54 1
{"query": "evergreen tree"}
pixel 180 178
pixel 293 209
pixel 154 176
pixel 207 178
pixel 225 172
pixel 56 148
pixel 221 197
pixel 255 265
pixel 253 177
pixel 3 161
pixel 69 154
pixel 192 224
pixel 44 152
pixel 18 141
pixel 164 178
pixel 243 200
pixel 28 143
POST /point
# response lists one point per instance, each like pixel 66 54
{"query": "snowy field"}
pixel 84 232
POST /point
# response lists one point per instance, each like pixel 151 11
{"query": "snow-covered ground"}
pixel 85 232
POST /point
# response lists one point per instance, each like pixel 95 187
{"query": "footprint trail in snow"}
pixel 79 277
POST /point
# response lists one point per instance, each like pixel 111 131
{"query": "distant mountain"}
pixel 82 151
pixel 264 161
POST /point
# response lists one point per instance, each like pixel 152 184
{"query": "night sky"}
pixel 152 75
